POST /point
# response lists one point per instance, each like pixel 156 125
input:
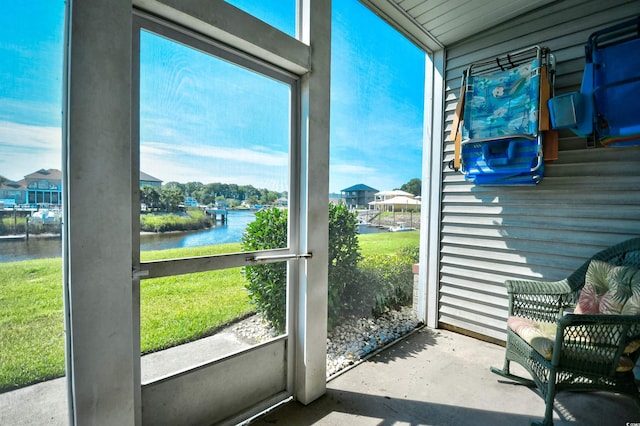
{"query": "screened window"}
pixel 31 297
pixel 214 141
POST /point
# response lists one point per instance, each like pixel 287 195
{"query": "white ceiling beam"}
pixel 223 22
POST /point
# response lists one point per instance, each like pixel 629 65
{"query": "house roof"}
pixel 401 200
pixel 359 187
pixel 50 174
pixel 11 185
pixel 395 193
pixel 148 178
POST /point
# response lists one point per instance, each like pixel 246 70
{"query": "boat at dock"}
pixel 400 227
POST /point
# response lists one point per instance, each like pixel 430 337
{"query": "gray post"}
pixel 97 249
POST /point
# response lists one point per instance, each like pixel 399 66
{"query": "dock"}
pixel 217 214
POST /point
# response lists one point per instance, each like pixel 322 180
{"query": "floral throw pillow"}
pixel 610 289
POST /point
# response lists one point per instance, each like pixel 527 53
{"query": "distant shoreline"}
pixel 20 237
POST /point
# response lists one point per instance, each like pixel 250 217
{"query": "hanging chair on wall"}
pixel 503 116
pixel 606 108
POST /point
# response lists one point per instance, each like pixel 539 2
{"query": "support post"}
pixel 97 248
pixel 311 331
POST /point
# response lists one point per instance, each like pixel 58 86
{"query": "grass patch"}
pixel 387 243
pixel 163 222
pixel 183 308
pixel 8 222
pixel 174 310
pixel 31 324
pixel 176 253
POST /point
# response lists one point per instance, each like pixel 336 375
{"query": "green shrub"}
pixel 344 255
pixel 384 282
pixel 267 283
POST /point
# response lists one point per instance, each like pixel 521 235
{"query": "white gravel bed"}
pixel 348 342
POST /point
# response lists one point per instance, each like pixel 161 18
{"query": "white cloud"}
pixel 226 165
pixel 167 169
pixel 352 169
pixel 243 155
pixel 26 149
pixel 26 137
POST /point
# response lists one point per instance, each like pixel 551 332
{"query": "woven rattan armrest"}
pixel 595 343
pixel 538 287
pixel 539 300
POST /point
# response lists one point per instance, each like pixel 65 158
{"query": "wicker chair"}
pixel 586 352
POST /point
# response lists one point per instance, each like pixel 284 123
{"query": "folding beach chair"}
pixel 609 99
pixel 502 128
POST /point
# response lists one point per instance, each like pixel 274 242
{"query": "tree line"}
pixel 171 196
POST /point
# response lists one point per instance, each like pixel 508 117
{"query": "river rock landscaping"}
pixel 347 343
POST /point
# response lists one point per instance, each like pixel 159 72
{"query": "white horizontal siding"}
pixel 588 199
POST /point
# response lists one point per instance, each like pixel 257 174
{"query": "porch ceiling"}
pixel 435 24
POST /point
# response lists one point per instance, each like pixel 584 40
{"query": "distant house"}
pixel 11 193
pixel 396 200
pixel 190 202
pixel 282 202
pixel 43 187
pixel 358 196
pixel 146 179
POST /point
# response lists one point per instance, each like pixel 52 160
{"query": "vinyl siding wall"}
pixel 588 199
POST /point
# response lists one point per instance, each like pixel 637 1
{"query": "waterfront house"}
pixel 358 196
pixel 44 187
pixel 11 193
pixel 148 180
pixel 395 200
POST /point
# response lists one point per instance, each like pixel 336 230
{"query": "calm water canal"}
pixel 230 232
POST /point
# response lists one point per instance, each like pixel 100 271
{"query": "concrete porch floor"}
pixel 430 377
pixel 437 377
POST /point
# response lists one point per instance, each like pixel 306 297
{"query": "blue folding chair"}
pixel 606 108
pixel 501 140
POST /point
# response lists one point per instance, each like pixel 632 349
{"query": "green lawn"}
pixel 182 308
pixel 31 322
pixel 387 243
pixel 173 309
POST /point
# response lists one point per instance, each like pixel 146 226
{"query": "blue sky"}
pixel 205 120
pixel 30 86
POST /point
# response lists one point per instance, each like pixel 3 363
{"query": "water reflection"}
pixel 12 250
pixel 38 247
pixel 229 232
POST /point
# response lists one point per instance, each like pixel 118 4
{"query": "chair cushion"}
pixel 610 289
pixel 541 336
